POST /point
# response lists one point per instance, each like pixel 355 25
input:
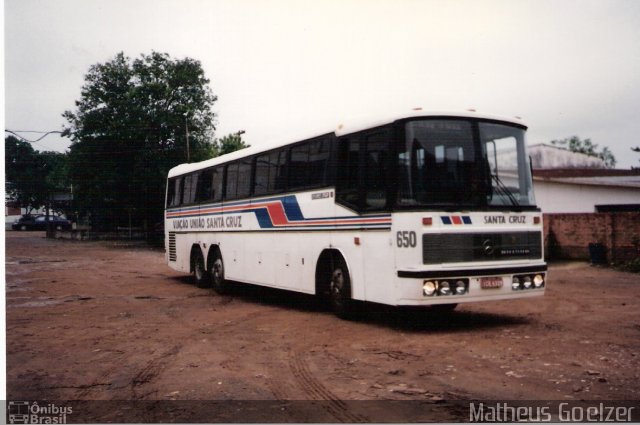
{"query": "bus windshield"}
pixel 444 165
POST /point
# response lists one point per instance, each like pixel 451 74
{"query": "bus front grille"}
pixel 465 247
pixel 172 246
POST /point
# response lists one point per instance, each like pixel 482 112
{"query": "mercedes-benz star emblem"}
pixel 487 247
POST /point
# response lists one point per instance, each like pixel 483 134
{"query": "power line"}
pixel 31 131
pixel 46 133
pixel 119 150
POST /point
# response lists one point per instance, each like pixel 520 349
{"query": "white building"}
pixel 586 190
pixel 572 182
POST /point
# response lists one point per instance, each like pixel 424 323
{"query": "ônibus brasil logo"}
pixel 27 412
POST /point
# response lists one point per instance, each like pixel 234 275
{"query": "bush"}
pixel 632 266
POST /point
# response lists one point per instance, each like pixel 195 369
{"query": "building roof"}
pixel 591 177
pixel 548 156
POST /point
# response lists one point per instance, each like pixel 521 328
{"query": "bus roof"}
pixel 341 130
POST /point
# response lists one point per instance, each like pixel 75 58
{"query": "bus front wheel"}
pixel 218 281
pixel 340 291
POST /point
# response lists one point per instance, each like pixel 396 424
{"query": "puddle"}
pixel 35 302
pixel 32 261
pixel 17 284
pixel 15 288
pixel 44 301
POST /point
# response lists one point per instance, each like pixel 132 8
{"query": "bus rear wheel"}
pixel 200 275
pixel 340 291
pixel 219 283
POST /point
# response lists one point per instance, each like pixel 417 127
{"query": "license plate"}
pixel 490 282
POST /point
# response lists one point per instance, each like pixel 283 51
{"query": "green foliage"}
pixel 632 266
pixel 586 146
pixel 230 143
pixel 31 176
pixel 130 126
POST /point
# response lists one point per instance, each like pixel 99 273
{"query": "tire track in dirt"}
pixel 317 391
pixel 277 390
pixel 99 381
pixel 151 369
pixel 102 380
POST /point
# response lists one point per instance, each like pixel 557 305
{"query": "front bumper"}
pixel 410 284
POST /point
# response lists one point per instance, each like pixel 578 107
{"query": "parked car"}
pixel 38 222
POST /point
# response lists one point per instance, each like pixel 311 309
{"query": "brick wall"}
pixel 567 236
pixel 12 211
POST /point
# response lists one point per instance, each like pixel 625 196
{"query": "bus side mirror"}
pixel 531 166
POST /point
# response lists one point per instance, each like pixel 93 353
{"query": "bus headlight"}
pixel 526 282
pixel 515 283
pixel 461 287
pixel 429 288
pixel 538 280
pixel 445 289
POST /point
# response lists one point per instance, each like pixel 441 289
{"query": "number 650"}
pixel 406 239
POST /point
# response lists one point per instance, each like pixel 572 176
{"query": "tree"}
pixel 230 143
pixel 636 149
pixel 32 177
pixel 586 146
pixel 135 120
pixel 25 174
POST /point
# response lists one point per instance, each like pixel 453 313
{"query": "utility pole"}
pixel 47 219
pixel 186 129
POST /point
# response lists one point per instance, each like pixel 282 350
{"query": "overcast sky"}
pixel 287 68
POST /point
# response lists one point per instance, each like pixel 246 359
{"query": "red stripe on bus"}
pixel 279 218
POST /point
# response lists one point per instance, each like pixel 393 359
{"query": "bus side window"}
pixel 347 185
pixel 376 173
pixel 318 162
pixel 278 170
pixel 261 185
pixel 186 192
pixel 216 184
pixel 171 192
pixel 194 187
pixel 175 192
pixel 243 188
pixel 204 186
pixel 232 181
pixel 299 173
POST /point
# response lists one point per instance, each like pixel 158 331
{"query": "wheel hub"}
pixel 217 271
pixel 337 282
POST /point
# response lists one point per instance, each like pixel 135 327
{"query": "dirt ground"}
pixel 107 321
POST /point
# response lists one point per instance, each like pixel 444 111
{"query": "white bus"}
pixel 423 209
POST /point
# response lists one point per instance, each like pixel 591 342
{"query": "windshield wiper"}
pixel 503 190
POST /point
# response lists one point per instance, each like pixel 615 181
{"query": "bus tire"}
pixel 340 290
pixel 200 275
pixel 216 271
